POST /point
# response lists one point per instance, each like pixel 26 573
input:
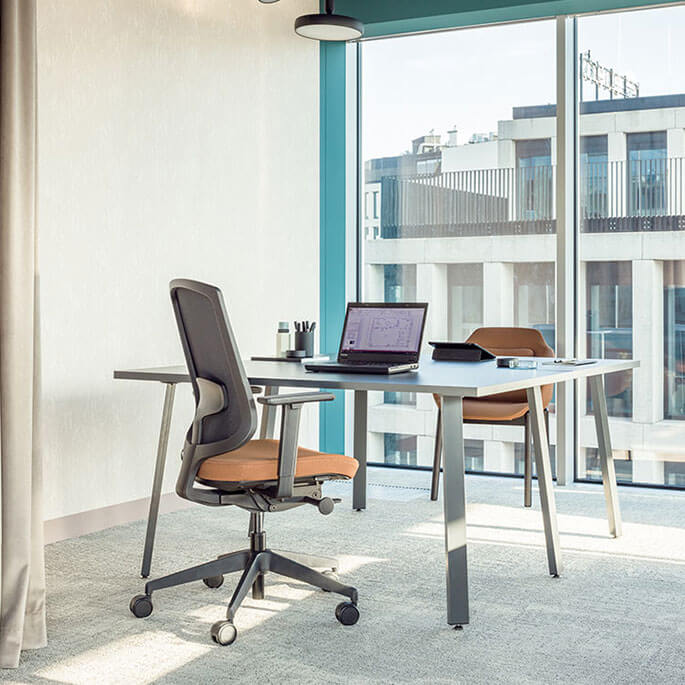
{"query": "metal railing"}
pixel 633 195
pixel 638 188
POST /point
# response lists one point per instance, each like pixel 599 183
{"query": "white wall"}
pixel 177 138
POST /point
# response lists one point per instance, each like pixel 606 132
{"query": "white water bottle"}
pixel 282 339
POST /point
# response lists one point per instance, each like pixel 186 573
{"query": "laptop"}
pixel 381 338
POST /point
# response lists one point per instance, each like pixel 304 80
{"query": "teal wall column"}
pixel 332 230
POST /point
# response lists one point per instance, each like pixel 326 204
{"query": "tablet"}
pixel 460 352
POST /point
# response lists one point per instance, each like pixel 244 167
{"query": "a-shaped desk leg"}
pixel 454 503
pixel 544 469
pixel 162 445
pixel 606 455
pixel 359 449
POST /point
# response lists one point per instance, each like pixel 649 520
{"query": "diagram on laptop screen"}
pixel 383 329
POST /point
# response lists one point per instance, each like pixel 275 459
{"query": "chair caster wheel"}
pixel 213 581
pixel 141 606
pixel 330 573
pixel 224 633
pixel 347 613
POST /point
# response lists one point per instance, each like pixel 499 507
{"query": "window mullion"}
pixel 566 150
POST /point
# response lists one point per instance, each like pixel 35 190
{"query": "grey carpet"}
pixel 615 616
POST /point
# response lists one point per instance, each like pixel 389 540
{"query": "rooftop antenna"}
pixel 606 79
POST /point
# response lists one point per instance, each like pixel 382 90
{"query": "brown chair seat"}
pixel 257 461
pixel 486 409
pixel 489 410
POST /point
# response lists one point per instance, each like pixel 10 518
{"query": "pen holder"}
pixel 304 340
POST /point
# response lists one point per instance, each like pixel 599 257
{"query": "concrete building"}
pixel 471 229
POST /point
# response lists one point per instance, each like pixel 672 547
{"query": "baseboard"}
pixel 99 519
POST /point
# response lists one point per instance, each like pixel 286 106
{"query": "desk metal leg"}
pixel 359 449
pixel 454 503
pixel 268 424
pixel 606 455
pixel 544 469
pixel 158 477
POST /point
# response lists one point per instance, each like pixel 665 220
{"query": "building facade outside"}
pixel 470 228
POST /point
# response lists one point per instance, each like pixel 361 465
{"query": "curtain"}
pixel 22 577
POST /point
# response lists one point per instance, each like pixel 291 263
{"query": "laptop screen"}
pixel 383 329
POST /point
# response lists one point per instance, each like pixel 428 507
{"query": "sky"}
pixel 469 79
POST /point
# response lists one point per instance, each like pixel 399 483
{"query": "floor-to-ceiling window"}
pixel 631 239
pixel 459 178
pixel 458 136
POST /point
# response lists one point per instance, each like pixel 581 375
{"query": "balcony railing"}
pixel 635 195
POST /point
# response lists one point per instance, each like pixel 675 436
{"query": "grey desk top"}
pixel 466 379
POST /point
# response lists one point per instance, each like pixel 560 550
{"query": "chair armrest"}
pixel 290 428
pixel 296 398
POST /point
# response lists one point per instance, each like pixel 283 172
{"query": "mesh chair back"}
pixel 211 353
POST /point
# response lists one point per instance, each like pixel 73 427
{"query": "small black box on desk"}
pixel 459 352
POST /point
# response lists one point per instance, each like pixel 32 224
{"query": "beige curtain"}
pixel 22 578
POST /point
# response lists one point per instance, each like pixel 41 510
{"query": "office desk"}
pixel 452 381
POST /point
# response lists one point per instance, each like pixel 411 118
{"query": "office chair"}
pixel 222 466
pixel 507 408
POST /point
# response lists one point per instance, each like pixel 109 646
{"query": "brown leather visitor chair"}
pixel 222 466
pixel 507 408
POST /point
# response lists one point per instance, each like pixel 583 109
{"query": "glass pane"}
pixel 474 455
pixel 622 462
pixel 609 328
pixel 399 283
pixel 457 149
pixel 631 242
pixel 674 340
pixel 465 299
pixel 519 454
pixel 399 449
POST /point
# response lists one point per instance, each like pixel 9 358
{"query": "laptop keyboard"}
pixel 378 364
